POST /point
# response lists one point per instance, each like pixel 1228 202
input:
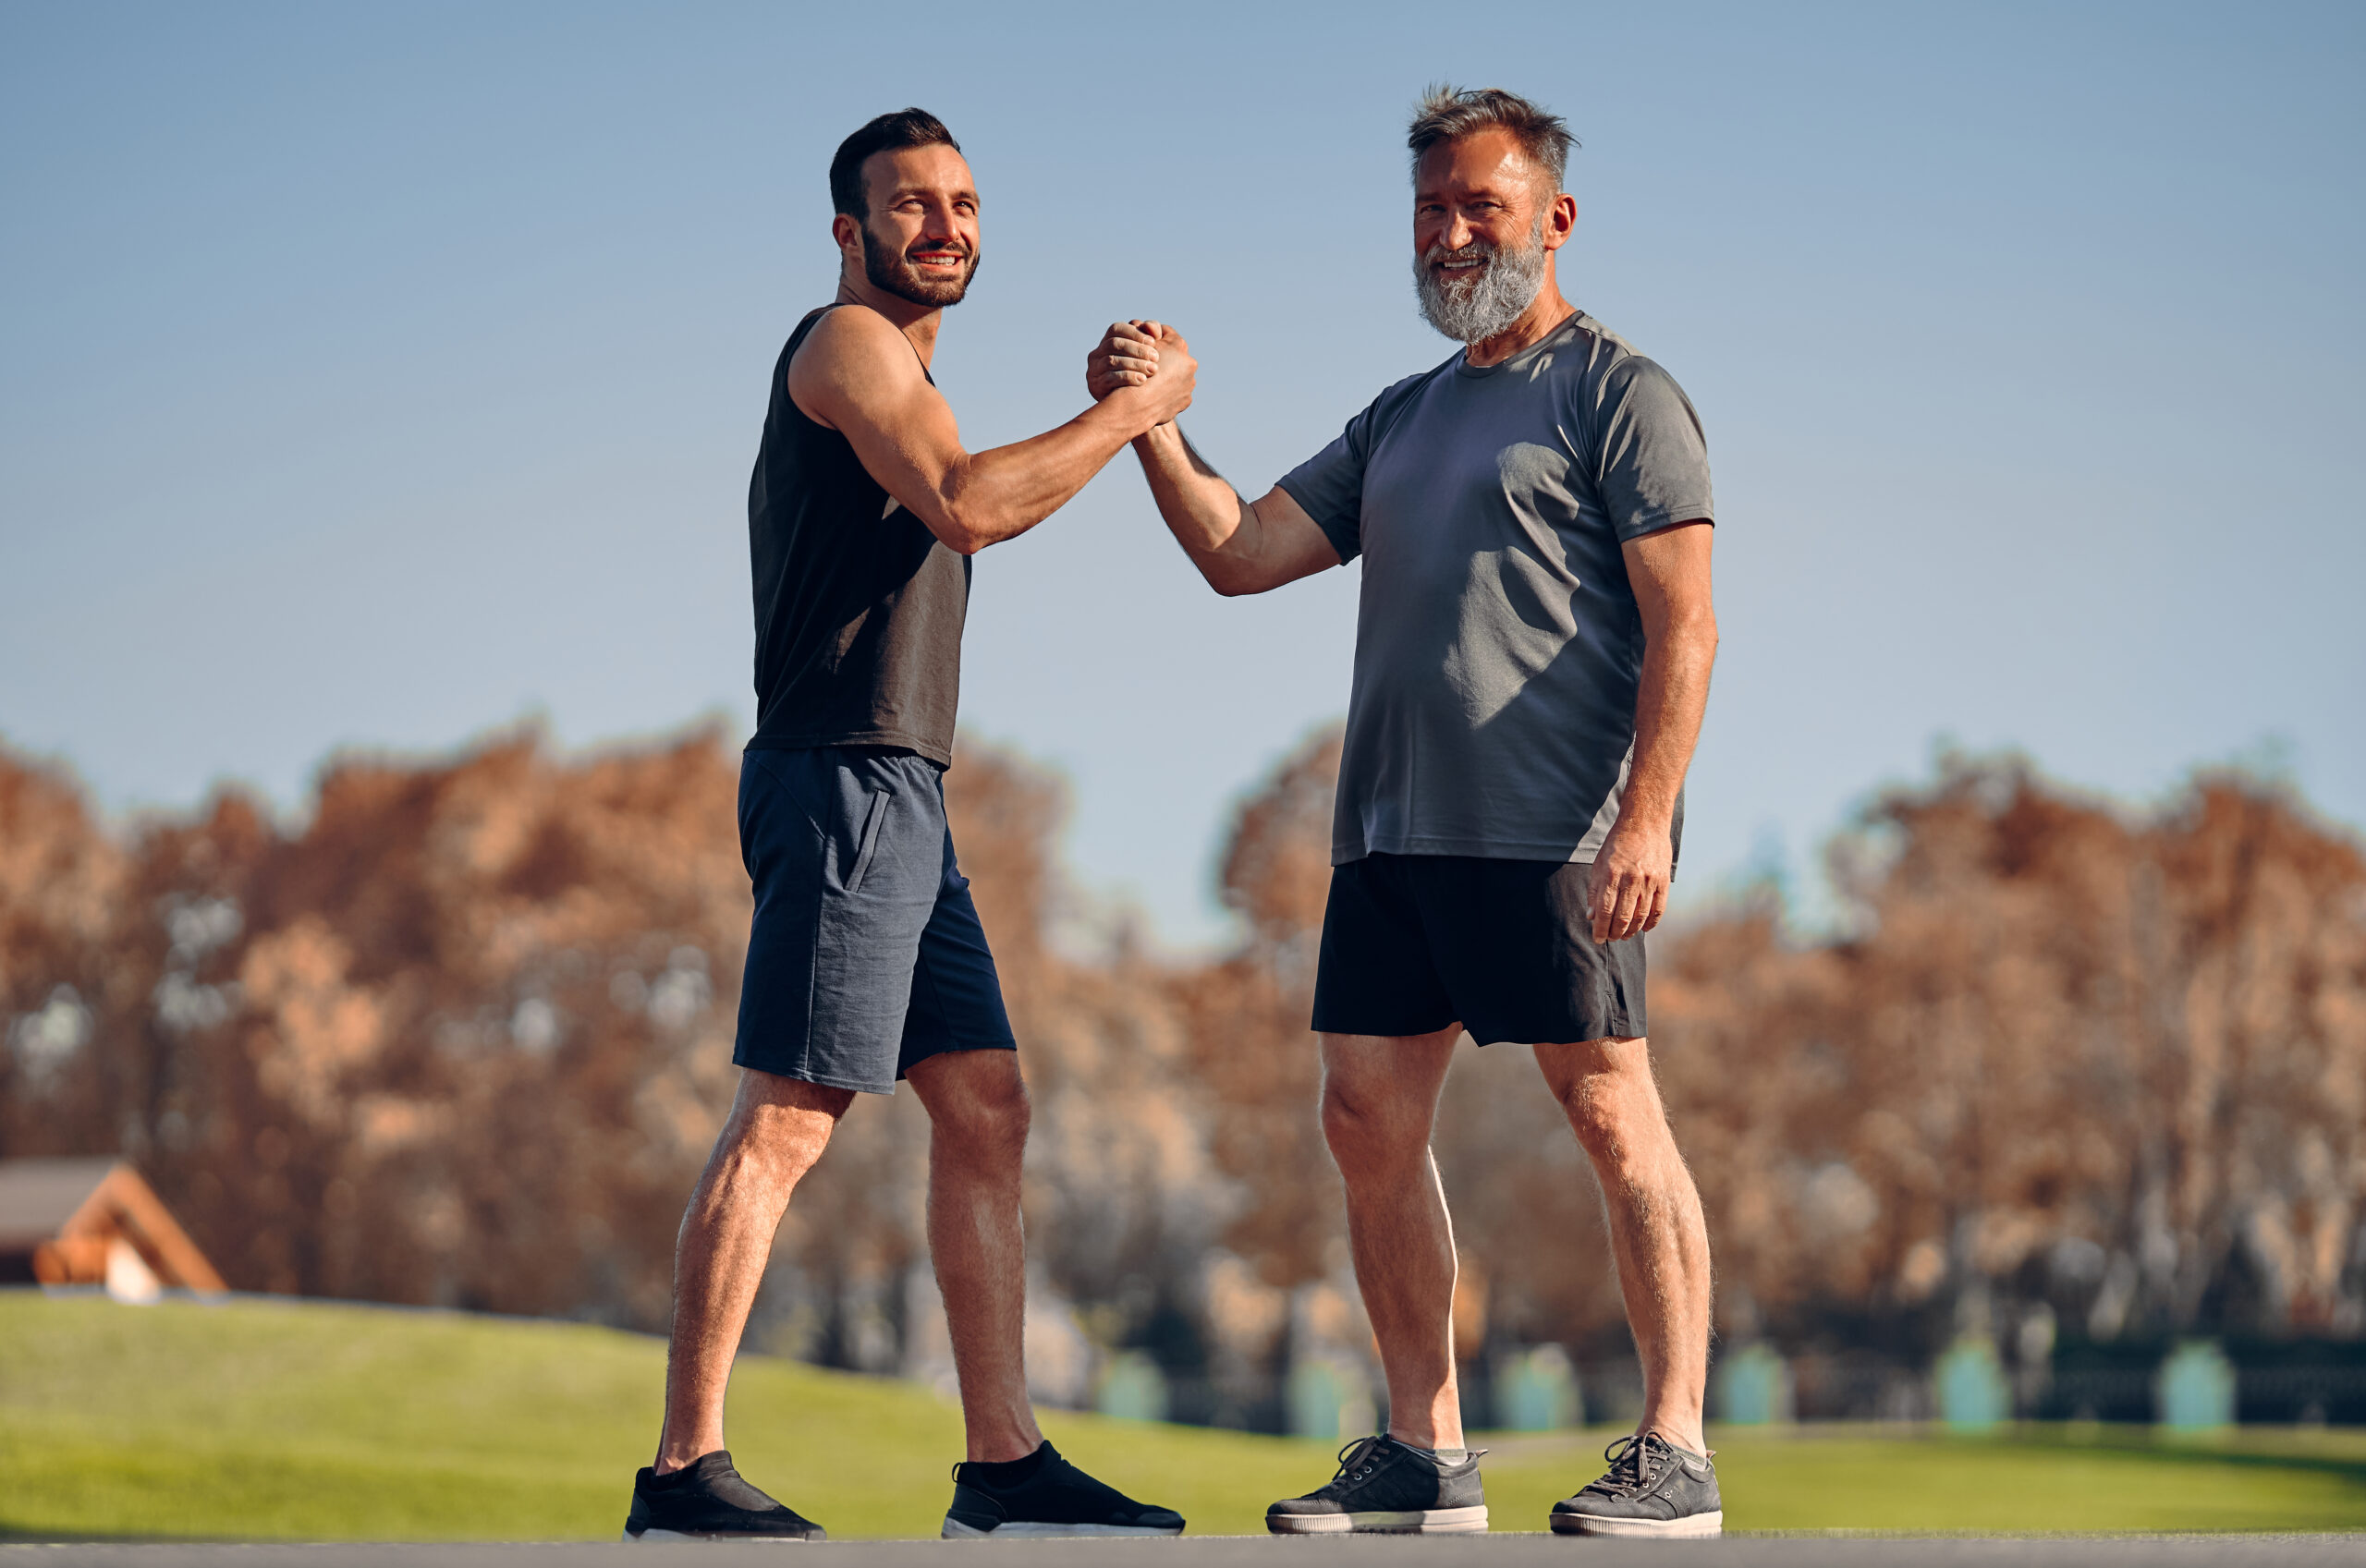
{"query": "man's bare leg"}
pixel 1656 1228
pixel 978 1115
pixel 1380 1098
pixel 777 1129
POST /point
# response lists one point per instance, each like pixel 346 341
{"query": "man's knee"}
pixel 1604 1123
pixel 995 1124
pixel 782 1124
pixel 1606 1091
pixel 986 1122
pixel 1366 1128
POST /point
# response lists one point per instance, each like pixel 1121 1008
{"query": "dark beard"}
pixel 889 269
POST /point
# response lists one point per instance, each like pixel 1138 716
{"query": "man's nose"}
pixel 1447 235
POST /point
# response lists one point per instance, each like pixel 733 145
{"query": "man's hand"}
pixel 1626 889
pixel 1126 356
pixel 1159 382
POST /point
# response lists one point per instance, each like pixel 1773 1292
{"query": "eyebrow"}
pixel 964 194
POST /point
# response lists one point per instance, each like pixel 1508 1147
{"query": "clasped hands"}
pixel 1143 354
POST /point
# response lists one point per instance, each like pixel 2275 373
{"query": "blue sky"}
pixel 375 376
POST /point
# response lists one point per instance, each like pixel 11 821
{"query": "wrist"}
pixel 1130 409
pixel 1638 817
pixel 1118 414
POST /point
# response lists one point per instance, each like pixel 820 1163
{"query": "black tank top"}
pixel 859 607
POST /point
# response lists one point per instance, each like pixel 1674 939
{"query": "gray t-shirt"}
pixel 1498 649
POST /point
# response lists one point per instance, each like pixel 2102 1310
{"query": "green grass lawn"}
pixel 311 1421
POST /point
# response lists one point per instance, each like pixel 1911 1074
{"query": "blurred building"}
pixel 93 1222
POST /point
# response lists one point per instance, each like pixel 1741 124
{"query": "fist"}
pixel 1126 356
pixel 1170 390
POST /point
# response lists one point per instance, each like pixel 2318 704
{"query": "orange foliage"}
pixel 463 1037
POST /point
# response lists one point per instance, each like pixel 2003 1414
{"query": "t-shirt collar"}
pixel 1526 357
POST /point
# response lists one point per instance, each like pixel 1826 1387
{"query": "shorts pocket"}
pixel 868 845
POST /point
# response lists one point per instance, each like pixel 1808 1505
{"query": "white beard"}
pixel 1475 306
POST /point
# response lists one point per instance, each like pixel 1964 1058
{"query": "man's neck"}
pixel 1543 316
pixel 917 322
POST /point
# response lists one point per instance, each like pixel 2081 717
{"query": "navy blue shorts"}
pixel 866 955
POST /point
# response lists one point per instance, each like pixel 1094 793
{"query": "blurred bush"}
pixel 2068 1076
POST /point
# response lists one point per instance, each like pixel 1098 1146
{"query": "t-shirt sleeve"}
pixel 1655 460
pixel 1330 484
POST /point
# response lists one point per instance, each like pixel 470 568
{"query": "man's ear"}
pixel 1560 221
pixel 847 233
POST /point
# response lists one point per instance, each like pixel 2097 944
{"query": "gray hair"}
pixel 1449 114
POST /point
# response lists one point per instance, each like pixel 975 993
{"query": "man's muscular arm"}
pixel 859 375
pixel 1669 571
pixel 1240 546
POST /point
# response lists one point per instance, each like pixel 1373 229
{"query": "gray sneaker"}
pixel 1386 1487
pixel 1654 1489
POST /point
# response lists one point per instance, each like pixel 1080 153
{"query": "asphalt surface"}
pixel 1264 1551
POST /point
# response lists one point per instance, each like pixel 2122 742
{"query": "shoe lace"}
pixel 1354 1457
pixel 1632 1466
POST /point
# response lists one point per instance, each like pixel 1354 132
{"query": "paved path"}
pixel 1264 1551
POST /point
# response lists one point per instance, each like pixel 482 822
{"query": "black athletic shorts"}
pixel 866 955
pixel 1414 942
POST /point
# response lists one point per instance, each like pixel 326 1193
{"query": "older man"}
pixel 1532 659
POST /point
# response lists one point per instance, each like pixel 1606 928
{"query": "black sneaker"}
pixel 1383 1485
pixel 1654 1489
pixel 1045 1495
pixel 706 1501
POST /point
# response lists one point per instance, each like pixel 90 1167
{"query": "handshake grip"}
pixel 1146 361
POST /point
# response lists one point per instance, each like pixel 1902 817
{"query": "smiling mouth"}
pixel 937 258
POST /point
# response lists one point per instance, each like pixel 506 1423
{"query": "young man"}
pixel 1532 662
pixel 866 963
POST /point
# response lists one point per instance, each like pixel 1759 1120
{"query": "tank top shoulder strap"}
pixel 804 330
pixel 780 395
pixel 814 318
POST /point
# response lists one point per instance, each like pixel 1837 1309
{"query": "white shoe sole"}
pixel 1469 1520
pixel 1693 1527
pixel 957 1531
pixel 630 1539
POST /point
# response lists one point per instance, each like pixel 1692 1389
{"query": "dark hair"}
pixel 1449 113
pixel 905 128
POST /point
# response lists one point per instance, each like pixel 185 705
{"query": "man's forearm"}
pixel 1668 709
pixel 1004 490
pixel 1203 512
